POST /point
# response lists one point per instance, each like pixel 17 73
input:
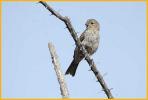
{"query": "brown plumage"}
pixel 90 39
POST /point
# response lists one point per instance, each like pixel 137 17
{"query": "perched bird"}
pixel 90 39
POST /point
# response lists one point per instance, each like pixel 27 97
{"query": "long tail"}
pixel 72 68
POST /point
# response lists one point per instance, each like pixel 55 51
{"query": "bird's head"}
pixel 92 23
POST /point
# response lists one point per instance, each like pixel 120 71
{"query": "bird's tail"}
pixel 72 68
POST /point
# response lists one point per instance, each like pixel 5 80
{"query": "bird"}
pixel 90 40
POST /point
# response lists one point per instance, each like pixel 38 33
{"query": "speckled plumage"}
pixel 90 39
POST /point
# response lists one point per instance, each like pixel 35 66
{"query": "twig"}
pixel 90 61
pixel 60 76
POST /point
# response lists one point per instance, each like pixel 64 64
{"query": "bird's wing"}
pixel 82 36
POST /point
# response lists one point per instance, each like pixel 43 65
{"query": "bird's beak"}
pixel 86 25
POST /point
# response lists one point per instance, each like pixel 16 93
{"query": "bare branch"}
pixel 57 68
pixel 90 61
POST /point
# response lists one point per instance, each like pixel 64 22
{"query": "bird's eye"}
pixel 92 23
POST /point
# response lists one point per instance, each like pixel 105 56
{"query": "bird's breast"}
pixel 91 40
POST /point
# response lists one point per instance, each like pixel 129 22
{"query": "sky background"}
pixel 27 70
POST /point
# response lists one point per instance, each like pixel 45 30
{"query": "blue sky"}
pixel 121 58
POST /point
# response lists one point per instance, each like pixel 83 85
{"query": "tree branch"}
pixel 57 68
pixel 90 61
